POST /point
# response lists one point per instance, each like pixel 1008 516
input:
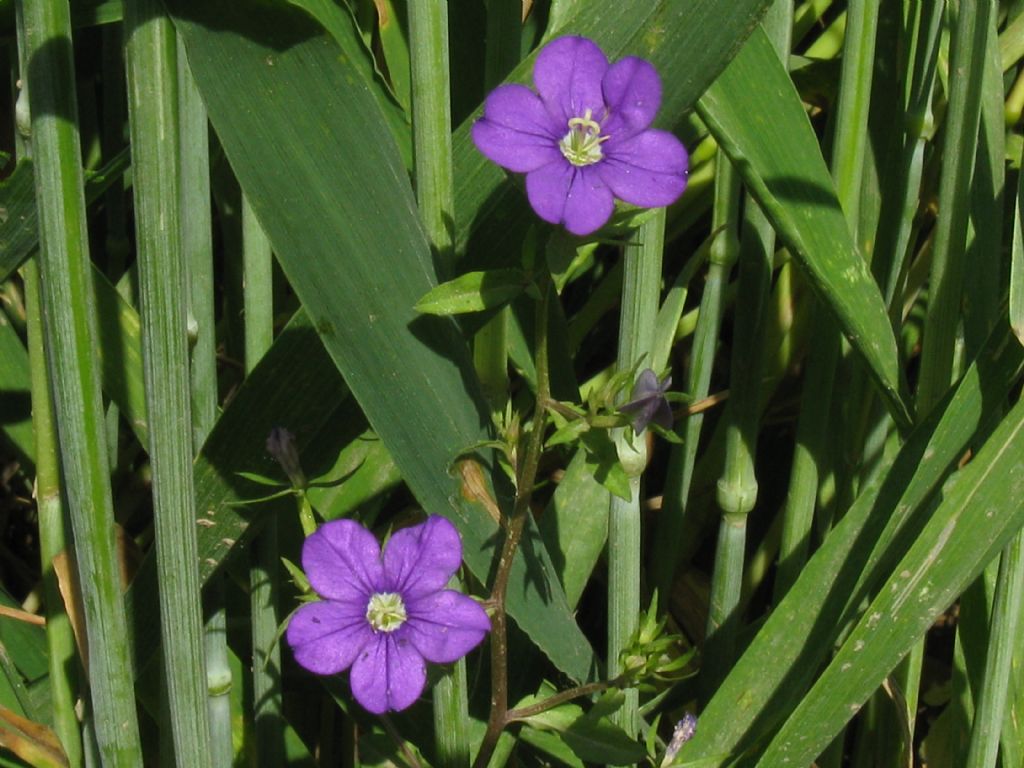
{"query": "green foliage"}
pixel 901 524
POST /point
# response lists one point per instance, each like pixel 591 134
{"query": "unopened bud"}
pixel 281 445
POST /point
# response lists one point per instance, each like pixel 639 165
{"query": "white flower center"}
pixel 385 611
pixel 582 144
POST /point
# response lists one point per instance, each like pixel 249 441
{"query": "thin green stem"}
pixel 152 69
pixel 60 638
pixel 1003 639
pixel 562 697
pixel 435 196
pixel 264 581
pixel 432 126
pixel 722 255
pixel 849 149
pixel 71 344
pixel 451 714
pixel 490 345
pixel 641 292
pixel 967 61
pixel 53 540
pixel 526 477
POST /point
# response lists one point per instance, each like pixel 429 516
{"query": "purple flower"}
pixel 384 615
pixel 649 403
pixel 584 137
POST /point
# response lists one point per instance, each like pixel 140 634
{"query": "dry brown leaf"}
pixel 474 488
pixel 34 743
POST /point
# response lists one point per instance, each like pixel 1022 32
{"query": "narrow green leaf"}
pixel 773 674
pixel 474 292
pixel 766 133
pixel 979 513
pixel 343 222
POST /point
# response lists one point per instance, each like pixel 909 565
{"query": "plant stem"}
pixel 53 540
pixel 849 147
pixel 641 291
pixel 432 126
pixel 967 60
pixel 264 586
pixel 722 255
pixel 526 477
pixel 435 196
pixel 71 343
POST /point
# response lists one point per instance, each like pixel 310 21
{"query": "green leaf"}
pixel 19 222
pixel 341 217
pixel 474 292
pixel 979 513
pixel 574 527
pixel 773 674
pixel 766 134
pixel 337 19
pixel 367 469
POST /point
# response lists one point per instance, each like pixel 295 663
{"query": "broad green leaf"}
pixel 368 470
pixel 575 526
pixel 979 513
pixel 337 19
pixel 775 671
pixel 328 187
pixel 474 292
pixel 766 134
pixel 689 41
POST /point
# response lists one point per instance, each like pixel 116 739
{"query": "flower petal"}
pixel 568 75
pixel 447 625
pixel 562 193
pixel 342 560
pixel 327 636
pixel 516 131
pixel 632 91
pixel 649 169
pixel 389 674
pixel 422 558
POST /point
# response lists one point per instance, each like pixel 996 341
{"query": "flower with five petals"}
pixel 384 615
pixel 584 138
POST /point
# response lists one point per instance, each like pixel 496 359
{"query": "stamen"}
pixel 582 144
pixel 385 611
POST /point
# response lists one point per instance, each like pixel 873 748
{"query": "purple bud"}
pixel 281 445
pixel 648 403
